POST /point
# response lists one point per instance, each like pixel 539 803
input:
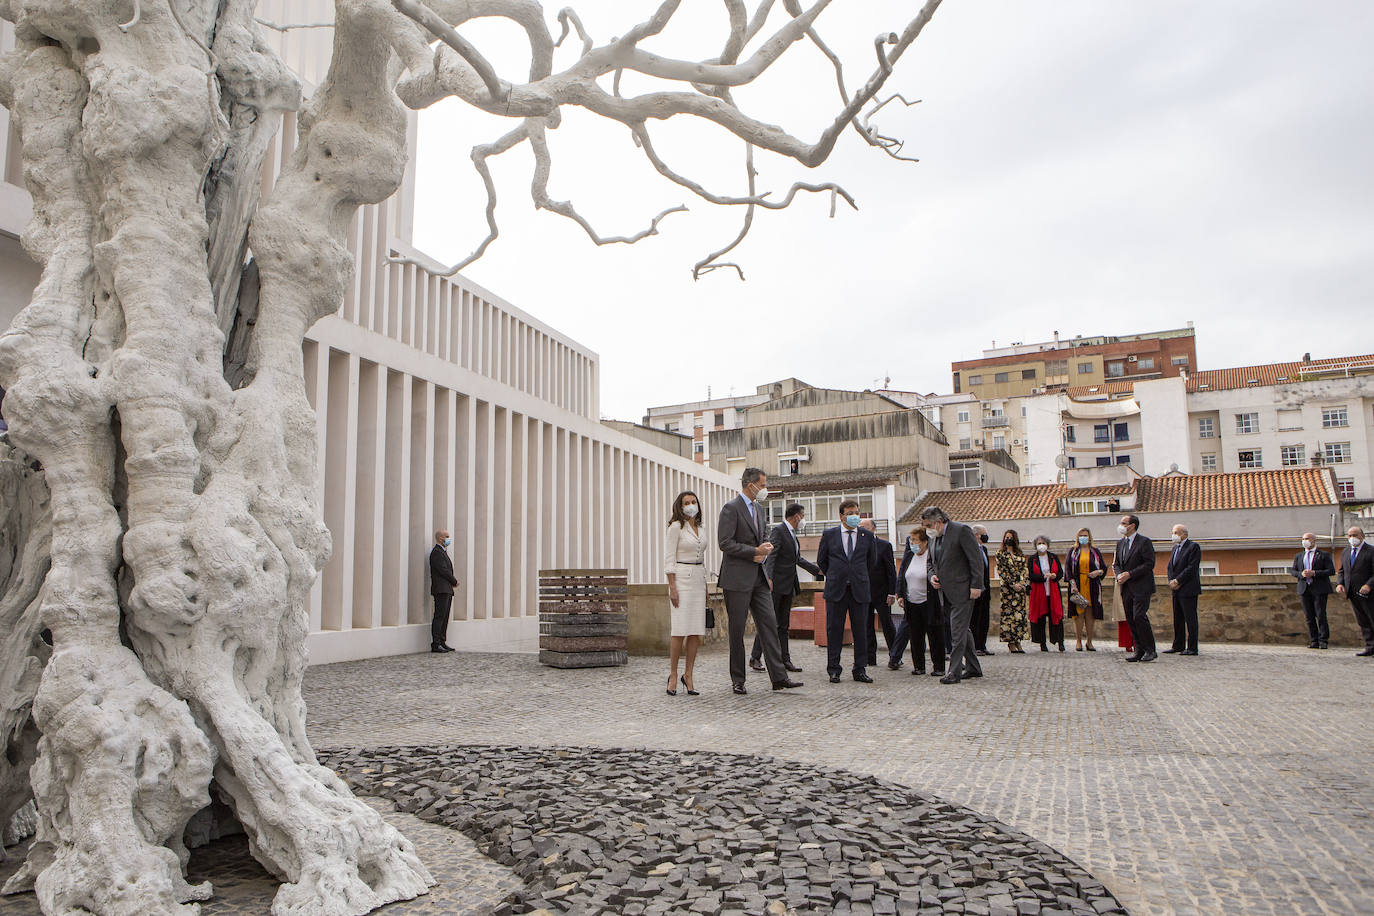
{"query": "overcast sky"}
pixel 1088 167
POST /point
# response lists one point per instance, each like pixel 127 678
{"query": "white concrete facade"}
pixel 439 405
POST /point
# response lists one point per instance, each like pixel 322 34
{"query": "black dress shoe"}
pixel 1322 646
pixel 739 689
pixel 1366 652
pixel 1188 652
pixel 834 678
pixel 863 678
pixel 1135 657
pixel 938 672
pixel 791 667
pixel 950 679
pixel 1172 651
pixel 1311 645
pixel 894 666
pixel 783 685
pixel 446 647
pixel 973 674
pixel 981 652
pixel 435 647
pixel 1148 657
pixel 1044 648
pixel 918 671
pixel 755 665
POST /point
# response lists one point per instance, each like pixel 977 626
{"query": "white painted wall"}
pixel 1163 429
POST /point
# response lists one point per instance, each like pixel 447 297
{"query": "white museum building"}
pixel 439 405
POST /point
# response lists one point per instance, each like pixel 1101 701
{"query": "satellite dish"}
pixel 1061 461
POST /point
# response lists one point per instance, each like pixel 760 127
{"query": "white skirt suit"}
pixel 684 555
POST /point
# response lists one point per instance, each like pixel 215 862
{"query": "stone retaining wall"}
pixel 1245 609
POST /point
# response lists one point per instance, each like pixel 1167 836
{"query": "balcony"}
pixel 991 422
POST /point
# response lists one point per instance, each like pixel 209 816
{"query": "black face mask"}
pixel 983 538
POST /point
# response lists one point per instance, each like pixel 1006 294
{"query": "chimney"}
pixel 1307 357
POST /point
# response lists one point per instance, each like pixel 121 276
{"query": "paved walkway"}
pixel 1238 782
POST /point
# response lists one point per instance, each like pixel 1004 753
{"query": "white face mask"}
pixel 931 533
pixel 690 510
pixel 1121 531
pixel 1356 542
pixel 762 494
pixel 1176 538
pixel 1042 548
pixel 1306 544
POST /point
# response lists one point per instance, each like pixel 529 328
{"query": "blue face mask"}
pixel 1083 539
pixel 448 542
pixel 852 521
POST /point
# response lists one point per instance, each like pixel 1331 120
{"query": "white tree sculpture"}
pixel 158 528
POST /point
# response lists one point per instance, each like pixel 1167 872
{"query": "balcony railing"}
pixel 989 422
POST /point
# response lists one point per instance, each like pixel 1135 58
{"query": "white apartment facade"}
pixel 698 419
pixel 439 405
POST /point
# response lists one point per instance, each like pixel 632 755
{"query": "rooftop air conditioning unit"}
pixel 803 453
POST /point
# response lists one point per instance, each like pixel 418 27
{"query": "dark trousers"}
pixel 1185 622
pixel 921 624
pixel 739 605
pixel 1314 609
pixel 782 614
pixel 883 612
pixel 1137 608
pixel 1056 630
pixel 438 627
pixel 835 613
pixel 962 660
pixel 1363 606
pixel 982 619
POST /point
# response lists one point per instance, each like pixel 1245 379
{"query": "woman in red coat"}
pixel 1046 574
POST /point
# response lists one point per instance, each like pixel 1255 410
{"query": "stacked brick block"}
pixel 583 617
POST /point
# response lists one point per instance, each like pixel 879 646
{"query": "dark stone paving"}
pixel 640 833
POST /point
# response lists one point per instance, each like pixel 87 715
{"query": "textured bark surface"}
pixel 156 591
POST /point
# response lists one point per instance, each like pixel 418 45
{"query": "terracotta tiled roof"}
pixel 1242 376
pixel 1040 501
pixel 1241 490
pixel 1172 493
pixel 838 480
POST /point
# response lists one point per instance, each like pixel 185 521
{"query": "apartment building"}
pixel 698 419
pixel 1054 365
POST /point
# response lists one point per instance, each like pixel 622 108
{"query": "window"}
pixel 1145 362
pixel 1101 433
pixel 965 475
pixel 1069 434
pixel 719 418
pixel 975 380
pixel 1208 569
pixel 1085 368
pixel 670 427
pixel 1205 429
pixel 777 509
pixel 1116 370
pixel 1179 361
pixel 1270 568
pixel 698 420
pixel 1247 423
pixel 1209 462
pixel 698 448
pixel 1023 410
pixel 1345 487
pixel 1104 461
pixel 1056 367
pixel 1028 374
pixel 956 383
pixel 1250 458
pixel 1333 417
pixel 1291 456
pixel 1336 452
pixel 963 414
pixel 1073 461
pixel 1000 377
pixel 1290 420
pixel 995 412
pixel 999 441
pixel 1123 459
pixel 785 467
pixel 965 444
pixel 1121 432
pixel 1087 506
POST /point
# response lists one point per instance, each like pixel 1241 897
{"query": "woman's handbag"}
pixel 710 618
pixel 1077 600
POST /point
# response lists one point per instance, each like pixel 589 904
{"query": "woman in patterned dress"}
pixel 1012 570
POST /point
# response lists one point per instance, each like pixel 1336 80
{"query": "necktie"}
pixel 849 543
pixel 1309 559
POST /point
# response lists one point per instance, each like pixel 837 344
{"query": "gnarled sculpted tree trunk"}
pixel 167 549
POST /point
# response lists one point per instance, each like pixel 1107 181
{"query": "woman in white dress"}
pixel 684 562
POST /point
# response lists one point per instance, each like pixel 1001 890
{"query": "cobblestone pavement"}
pixel 1237 782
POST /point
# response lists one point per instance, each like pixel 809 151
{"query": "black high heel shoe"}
pixel 671 692
pixel 690 691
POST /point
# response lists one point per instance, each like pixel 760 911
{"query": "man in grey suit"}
pixel 781 570
pixel 957 571
pixel 743 548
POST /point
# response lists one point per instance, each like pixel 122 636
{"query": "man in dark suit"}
pixel 1185 581
pixel 982 608
pixel 1313 569
pixel 743 547
pixel 882 589
pixel 1355 580
pixel 1134 566
pixel 956 566
pixel 441 584
pixel 844 558
pixel 781 571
